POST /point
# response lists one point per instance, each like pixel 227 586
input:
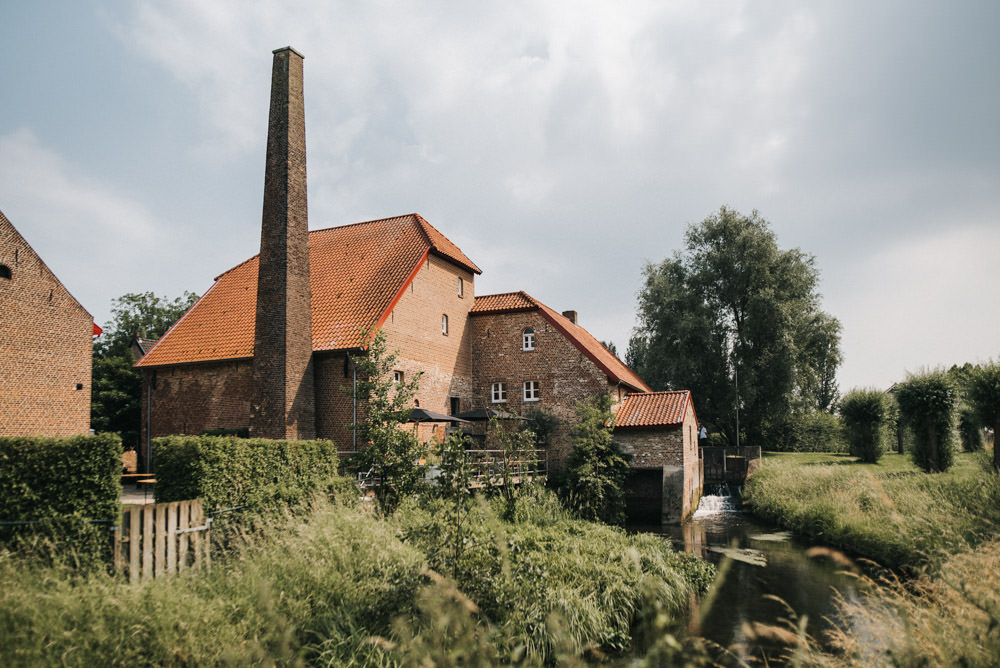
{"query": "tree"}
pixel 596 468
pixel 116 390
pixel 736 320
pixel 865 413
pixel 927 404
pixel 984 395
pixel 393 453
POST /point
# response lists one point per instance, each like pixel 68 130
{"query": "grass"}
pixel 941 532
pixel 889 512
pixel 339 586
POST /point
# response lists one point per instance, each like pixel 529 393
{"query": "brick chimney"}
pixel 570 315
pixel 284 404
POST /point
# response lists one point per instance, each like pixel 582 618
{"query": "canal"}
pixel 766 578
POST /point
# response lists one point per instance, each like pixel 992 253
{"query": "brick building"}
pixel 660 431
pixel 45 346
pixel 268 346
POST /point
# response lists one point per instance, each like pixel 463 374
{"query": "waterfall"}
pixel 722 501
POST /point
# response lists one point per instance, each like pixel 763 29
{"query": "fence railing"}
pixel 723 464
pixel 162 539
pixel 488 468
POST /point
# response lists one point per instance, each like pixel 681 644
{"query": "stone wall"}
pixel 45 347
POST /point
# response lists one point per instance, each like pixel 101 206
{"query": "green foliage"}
pixel 984 396
pixel 340 587
pixel 117 387
pixel 970 430
pixel 865 413
pixel 544 424
pixel 596 468
pixel 227 471
pixel 392 453
pixel 734 309
pixel 61 486
pixel 927 405
pixel 810 431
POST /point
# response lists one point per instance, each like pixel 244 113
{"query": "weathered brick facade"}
pixel 192 398
pixel 45 346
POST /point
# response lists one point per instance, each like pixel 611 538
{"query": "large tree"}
pixel 117 387
pixel 737 320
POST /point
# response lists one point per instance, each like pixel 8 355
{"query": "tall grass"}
pixel 892 513
pixel 339 586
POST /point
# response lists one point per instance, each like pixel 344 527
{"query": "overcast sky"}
pixel 561 145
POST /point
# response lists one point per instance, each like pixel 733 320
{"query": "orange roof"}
pixel 608 362
pixel 653 409
pixel 357 274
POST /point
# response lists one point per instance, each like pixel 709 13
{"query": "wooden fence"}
pixel 162 539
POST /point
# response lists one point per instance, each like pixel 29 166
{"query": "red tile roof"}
pixel 653 409
pixel 357 273
pixel 513 302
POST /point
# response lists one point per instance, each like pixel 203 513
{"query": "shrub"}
pixel 983 393
pixel 812 431
pixel 596 468
pixel 865 413
pixel 228 471
pixel 68 489
pixel 927 404
pixel 970 430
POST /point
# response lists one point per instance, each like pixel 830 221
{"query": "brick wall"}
pixel 414 329
pixel 45 347
pixel 334 406
pixel 564 374
pixel 193 398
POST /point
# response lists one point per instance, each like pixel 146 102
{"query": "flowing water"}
pixel 768 579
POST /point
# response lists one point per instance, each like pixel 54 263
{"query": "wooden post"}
pixel 172 510
pixel 134 543
pixel 160 541
pixel 182 543
pixel 147 542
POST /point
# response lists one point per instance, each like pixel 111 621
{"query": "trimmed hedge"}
pixel 61 485
pixel 807 432
pixel 227 471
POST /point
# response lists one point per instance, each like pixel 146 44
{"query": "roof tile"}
pixel 653 409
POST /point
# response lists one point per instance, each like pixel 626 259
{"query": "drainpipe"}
pixel 149 422
pixel 354 400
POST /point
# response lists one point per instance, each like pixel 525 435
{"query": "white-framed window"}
pixel 499 393
pixel 444 324
pixel 461 287
pixel 397 377
pixel 531 390
pixel 528 339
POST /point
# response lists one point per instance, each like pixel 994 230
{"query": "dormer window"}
pixel 528 339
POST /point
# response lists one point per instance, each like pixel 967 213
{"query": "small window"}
pixel 6 273
pixel 455 404
pixel 528 339
pixel 531 390
pixel 397 377
pixel 444 324
pixel 499 393
pixel 461 287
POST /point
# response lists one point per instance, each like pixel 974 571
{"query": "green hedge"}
pixel 227 471
pixel 807 432
pixel 60 486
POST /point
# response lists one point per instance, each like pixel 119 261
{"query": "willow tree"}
pixel 983 392
pixel 927 404
pixel 737 320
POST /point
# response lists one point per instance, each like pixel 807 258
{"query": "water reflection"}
pixel 768 579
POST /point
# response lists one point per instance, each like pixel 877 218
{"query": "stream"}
pixel 764 562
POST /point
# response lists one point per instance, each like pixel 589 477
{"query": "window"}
pixel 499 393
pixel 6 273
pixel 461 287
pixel 444 324
pixel 455 404
pixel 397 377
pixel 528 339
pixel 531 390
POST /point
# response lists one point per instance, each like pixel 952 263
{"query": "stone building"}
pixel 660 431
pixel 267 347
pixel 45 346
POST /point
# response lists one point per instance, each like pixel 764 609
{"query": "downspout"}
pixel 354 400
pixel 149 422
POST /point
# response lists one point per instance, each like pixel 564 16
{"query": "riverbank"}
pixel 940 532
pixel 494 584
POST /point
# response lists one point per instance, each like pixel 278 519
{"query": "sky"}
pixel 563 145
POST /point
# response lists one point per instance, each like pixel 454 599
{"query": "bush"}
pixel 596 468
pixel 927 404
pixel 69 489
pixel 812 431
pixel 228 471
pixel 865 413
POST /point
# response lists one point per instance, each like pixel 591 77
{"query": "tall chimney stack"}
pixel 284 404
